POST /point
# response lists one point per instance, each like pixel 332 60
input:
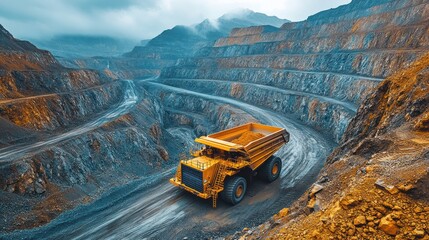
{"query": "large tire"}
pixel 270 169
pixel 234 190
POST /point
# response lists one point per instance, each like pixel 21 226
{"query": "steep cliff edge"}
pixel 375 185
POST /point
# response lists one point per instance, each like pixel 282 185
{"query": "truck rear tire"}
pixel 234 190
pixel 270 170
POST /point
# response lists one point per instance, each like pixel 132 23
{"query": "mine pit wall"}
pixel 140 63
pixel 204 115
pixel 196 122
pixel 365 63
pixel 41 97
pixel 15 84
pixel 321 115
pixel 121 67
pixel 39 186
pixel 349 23
pixel 83 160
pixel 342 54
pixel 63 110
pixel 349 88
pixel 21 60
pixel 116 153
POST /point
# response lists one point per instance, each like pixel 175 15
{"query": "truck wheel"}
pixel 270 170
pixel 234 190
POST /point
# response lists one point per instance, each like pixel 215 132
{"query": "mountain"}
pixel 165 49
pixel 85 46
pixel 190 38
pixel 9 43
pixel 245 18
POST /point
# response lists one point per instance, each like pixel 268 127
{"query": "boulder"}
pixel 314 204
pixel 315 189
pixel 418 210
pixel 418 232
pixel 405 187
pixel 388 225
pixel 359 220
pixel 390 188
pixel 283 213
pixel 348 202
pixel 381 209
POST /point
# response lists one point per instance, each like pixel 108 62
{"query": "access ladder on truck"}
pixel 218 184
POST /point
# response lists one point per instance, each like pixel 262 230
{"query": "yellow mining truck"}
pixel 229 159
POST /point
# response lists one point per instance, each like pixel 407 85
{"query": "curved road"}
pixel 152 208
pixel 346 105
pixel 13 152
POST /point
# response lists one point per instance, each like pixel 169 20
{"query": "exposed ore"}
pixel 247 137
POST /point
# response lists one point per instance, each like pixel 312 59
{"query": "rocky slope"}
pixel 69 135
pixel 172 44
pixel 318 70
pixel 375 184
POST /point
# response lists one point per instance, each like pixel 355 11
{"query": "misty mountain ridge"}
pixel 148 57
pixel 210 30
pixel 186 37
pixel 70 45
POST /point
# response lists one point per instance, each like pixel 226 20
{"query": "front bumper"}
pixel 193 191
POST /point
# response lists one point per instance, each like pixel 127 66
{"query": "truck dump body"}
pixel 270 140
pixel 226 154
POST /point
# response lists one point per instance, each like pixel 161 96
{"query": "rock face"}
pixel 69 135
pixel 385 148
pixel 179 42
pixel 323 67
pixel 402 98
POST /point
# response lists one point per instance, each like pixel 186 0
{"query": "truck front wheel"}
pixel 234 190
pixel 270 170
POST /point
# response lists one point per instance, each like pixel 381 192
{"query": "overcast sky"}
pixel 135 19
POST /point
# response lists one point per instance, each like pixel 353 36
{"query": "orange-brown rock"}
pixel 281 214
pixel 388 225
pixel 359 220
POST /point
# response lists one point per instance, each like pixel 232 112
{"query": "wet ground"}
pixel 152 208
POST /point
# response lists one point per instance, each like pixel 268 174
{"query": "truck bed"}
pixel 264 141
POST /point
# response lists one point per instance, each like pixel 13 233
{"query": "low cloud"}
pixel 135 19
